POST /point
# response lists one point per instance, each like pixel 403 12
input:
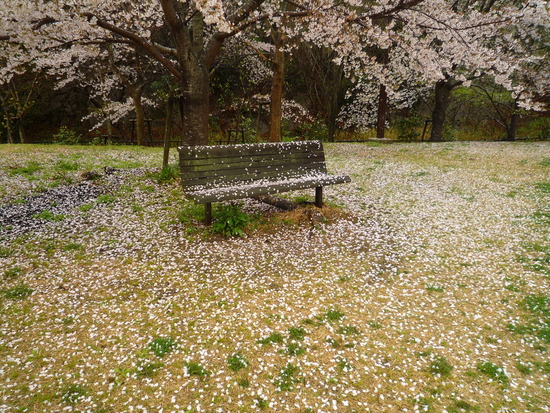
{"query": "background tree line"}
pixel 265 70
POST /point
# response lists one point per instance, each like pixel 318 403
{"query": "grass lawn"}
pixel 423 286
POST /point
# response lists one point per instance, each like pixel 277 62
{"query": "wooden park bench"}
pixel 220 173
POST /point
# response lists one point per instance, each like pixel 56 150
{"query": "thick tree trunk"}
pixel 382 112
pixel 514 121
pixel 196 110
pixel 443 89
pixel 276 108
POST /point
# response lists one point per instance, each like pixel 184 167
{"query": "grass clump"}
pixel 288 378
pixel 106 199
pixel 237 361
pixel 272 338
pixel 166 175
pixel 72 393
pixel 161 346
pixel 29 169
pixel 441 366
pixel 332 316
pixel 348 330
pixel 147 369
pixel 48 215
pixel 230 221
pixel 18 293
pixel 195 369
pixel 13 272
pixel 297 333
pixel 493 371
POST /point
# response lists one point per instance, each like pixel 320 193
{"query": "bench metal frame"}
pixel 225 172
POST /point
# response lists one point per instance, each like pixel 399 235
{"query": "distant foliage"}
pixel 66 136
pixel 408 128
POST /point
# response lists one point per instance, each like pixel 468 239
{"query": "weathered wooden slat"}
pixel 215 179
pixel 292 157
pixel 262 187
pixel 249 165
pixel 249 149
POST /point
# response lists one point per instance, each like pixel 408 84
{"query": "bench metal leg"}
pixel 208 213
pixel 319 196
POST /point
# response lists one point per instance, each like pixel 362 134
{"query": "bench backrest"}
pixel 213 166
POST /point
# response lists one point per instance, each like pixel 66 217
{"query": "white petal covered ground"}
pixel 417 300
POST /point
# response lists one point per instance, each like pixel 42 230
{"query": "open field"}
pixel 423 287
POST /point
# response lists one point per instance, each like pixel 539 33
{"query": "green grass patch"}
pixel 297 333
pixel 273 338
pixel 348 330
pixel 106 199
pixel 237 362
pixel 332 316
pixel 161 346
pixel 493 371
pixel 289 377
pixel 48 215
pixel 441 366
pixel 72 393
pixel 19 292
pixel 195 369
pixel 30 169
pixel 13 272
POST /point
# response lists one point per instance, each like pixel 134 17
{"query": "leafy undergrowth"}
pixel 422 286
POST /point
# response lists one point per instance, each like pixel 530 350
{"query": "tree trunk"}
pixel 276 108
pixel 196 110
pixel 140 115
pixel 21 130
pixel 168 129
pixel 443 90
pixel 512 129
pixel 382 112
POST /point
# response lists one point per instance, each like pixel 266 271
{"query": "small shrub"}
pixel 13 272
pixel 195 369
pixel 66 136
pixel 72 393
pixel 230 221
pixel 237 362
pixel 288 378
pixel 408 128
pixel 161 346
pixel 441 366
pixel 493 371
pixel 18 293
pixel 272 338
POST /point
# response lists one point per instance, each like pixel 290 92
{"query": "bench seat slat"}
pixel 262 187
